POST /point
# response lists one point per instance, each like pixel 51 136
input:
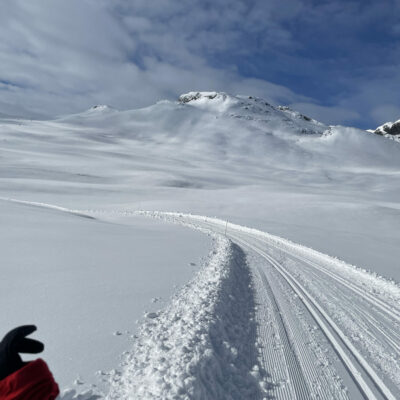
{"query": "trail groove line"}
pixel 310 304
pixel 293 366
pixel 367 296
pixel 368 317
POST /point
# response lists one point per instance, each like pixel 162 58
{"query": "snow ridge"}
pixel 203 345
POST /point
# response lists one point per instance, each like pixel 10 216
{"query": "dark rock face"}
pixel 186 98
pixel 392 129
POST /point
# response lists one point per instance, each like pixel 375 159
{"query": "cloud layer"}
pixel 337 60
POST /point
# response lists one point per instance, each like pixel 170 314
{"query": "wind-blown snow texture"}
pixel 332 188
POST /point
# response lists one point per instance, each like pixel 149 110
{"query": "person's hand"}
pixel 13 343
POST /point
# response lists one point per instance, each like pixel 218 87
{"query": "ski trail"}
pixel 264 318
pixel 302 348
pixel 312 306
pixel 375 301
pixel 294 370
pixel 364 373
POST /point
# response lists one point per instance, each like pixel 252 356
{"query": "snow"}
pixel 334 189
pixel 81 280
pixel 376 323
pixel 202 345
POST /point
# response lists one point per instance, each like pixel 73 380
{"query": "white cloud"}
pixel 386 113
pixel 377 96
pixel 333 115
pixel 60 56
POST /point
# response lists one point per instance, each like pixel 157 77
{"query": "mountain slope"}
pixel 216 154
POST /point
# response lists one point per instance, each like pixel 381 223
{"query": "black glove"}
pixel 13 343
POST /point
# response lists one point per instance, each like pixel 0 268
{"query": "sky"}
pixel 337 61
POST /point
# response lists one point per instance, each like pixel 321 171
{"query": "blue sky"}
pixel 337 61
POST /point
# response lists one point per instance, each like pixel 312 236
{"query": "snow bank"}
pixel 203 345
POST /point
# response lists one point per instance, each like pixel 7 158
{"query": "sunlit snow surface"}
pixel 337 190
pixel 86 283
pixel 334 189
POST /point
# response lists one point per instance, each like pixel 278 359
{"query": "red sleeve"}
pixel 34 381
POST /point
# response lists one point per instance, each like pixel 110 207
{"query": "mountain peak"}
pixel 389 128
pixel 212 101
pixel 253 108
pixel 194 96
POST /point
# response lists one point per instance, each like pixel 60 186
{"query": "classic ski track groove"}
pixel 372 321
pixel 293 366
pixel 299 341
pixel 313 307
pixel 373 300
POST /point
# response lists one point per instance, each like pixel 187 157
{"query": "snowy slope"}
pixel 332 188
pixel 234 157
pixel 86 283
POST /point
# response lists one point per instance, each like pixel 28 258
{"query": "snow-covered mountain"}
pixel 390 130
pixel 209 153
pixel 332 188
pixel 228 127
pixel 254 109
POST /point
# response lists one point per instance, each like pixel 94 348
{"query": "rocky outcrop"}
pixel 191 96
pixel 390 128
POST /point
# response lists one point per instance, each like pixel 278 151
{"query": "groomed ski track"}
pixel 264 318
pixel 325 329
